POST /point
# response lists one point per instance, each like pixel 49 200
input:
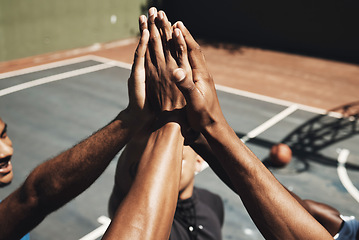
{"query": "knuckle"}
pixel 195 48
pixel 182 48
pixel 143 25
pixel 155 37
pixel 136 53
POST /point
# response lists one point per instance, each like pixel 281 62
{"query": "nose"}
pixel 6 149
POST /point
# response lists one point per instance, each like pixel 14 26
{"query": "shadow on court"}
pixel 320 132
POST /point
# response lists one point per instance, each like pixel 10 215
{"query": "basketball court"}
pixel 50 107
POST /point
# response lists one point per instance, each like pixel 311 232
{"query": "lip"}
pixel 6 167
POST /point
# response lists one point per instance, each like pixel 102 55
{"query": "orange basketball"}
pixel 280 155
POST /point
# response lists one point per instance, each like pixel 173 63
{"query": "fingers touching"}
pixel 181 50
pixel 182 76
pixel 170 55
pixel 165 26
pixel 161 36
pixel 192 44
pixel 162 92
pixel 156 49
pixel 195 54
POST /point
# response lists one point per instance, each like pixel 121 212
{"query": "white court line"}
pixel 343 175
pixel 269 123
pixel 69 53
pixel 100 231
pixel 276 101
pixel 128 66
pixel 53 78
pixel 45 66
pixel 113 62
pixel 264 126
pixel 240 92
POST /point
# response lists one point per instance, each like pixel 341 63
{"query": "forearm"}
pixel 126 169
pixel 275 212
pixel 147 211
pixel 57 181
pixel 75 169
pixel 201 147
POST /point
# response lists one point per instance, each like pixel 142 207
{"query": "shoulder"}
pixel 212 201
pixel 207 196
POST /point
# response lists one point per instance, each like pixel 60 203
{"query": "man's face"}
pixel 191 163
pixel 6 152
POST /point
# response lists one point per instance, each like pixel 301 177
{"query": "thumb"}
pixel 184 83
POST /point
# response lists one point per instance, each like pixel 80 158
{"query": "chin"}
pixel 6 180
pixel 2 184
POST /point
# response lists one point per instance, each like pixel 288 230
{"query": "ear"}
pixel 199 163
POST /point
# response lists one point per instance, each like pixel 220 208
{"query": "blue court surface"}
pixel 50 108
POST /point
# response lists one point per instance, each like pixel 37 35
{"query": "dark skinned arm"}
pixel 202 148
pixel 147 210
pixel 274 211
pixel 56 181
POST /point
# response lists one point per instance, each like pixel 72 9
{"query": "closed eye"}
pixel 4 132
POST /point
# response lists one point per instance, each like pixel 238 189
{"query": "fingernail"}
pixel 160 15
pixel 180 24
pixel 142 18
pixel 151 11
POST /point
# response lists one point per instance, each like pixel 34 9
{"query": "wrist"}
pixel 176 116
pixel 216 129
pixel 134 119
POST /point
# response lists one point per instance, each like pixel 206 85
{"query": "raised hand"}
pixel 138 107
pixel 162 93
pixel 195 82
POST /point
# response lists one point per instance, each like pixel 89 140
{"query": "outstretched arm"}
pixel 148 209
pixel 159 65
pixel 275 212
pixel 126 169
pixel 202 148
pixel 326 215
pixel 57 181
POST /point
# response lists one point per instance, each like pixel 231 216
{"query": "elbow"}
pixel 27 198
pixel 35 194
